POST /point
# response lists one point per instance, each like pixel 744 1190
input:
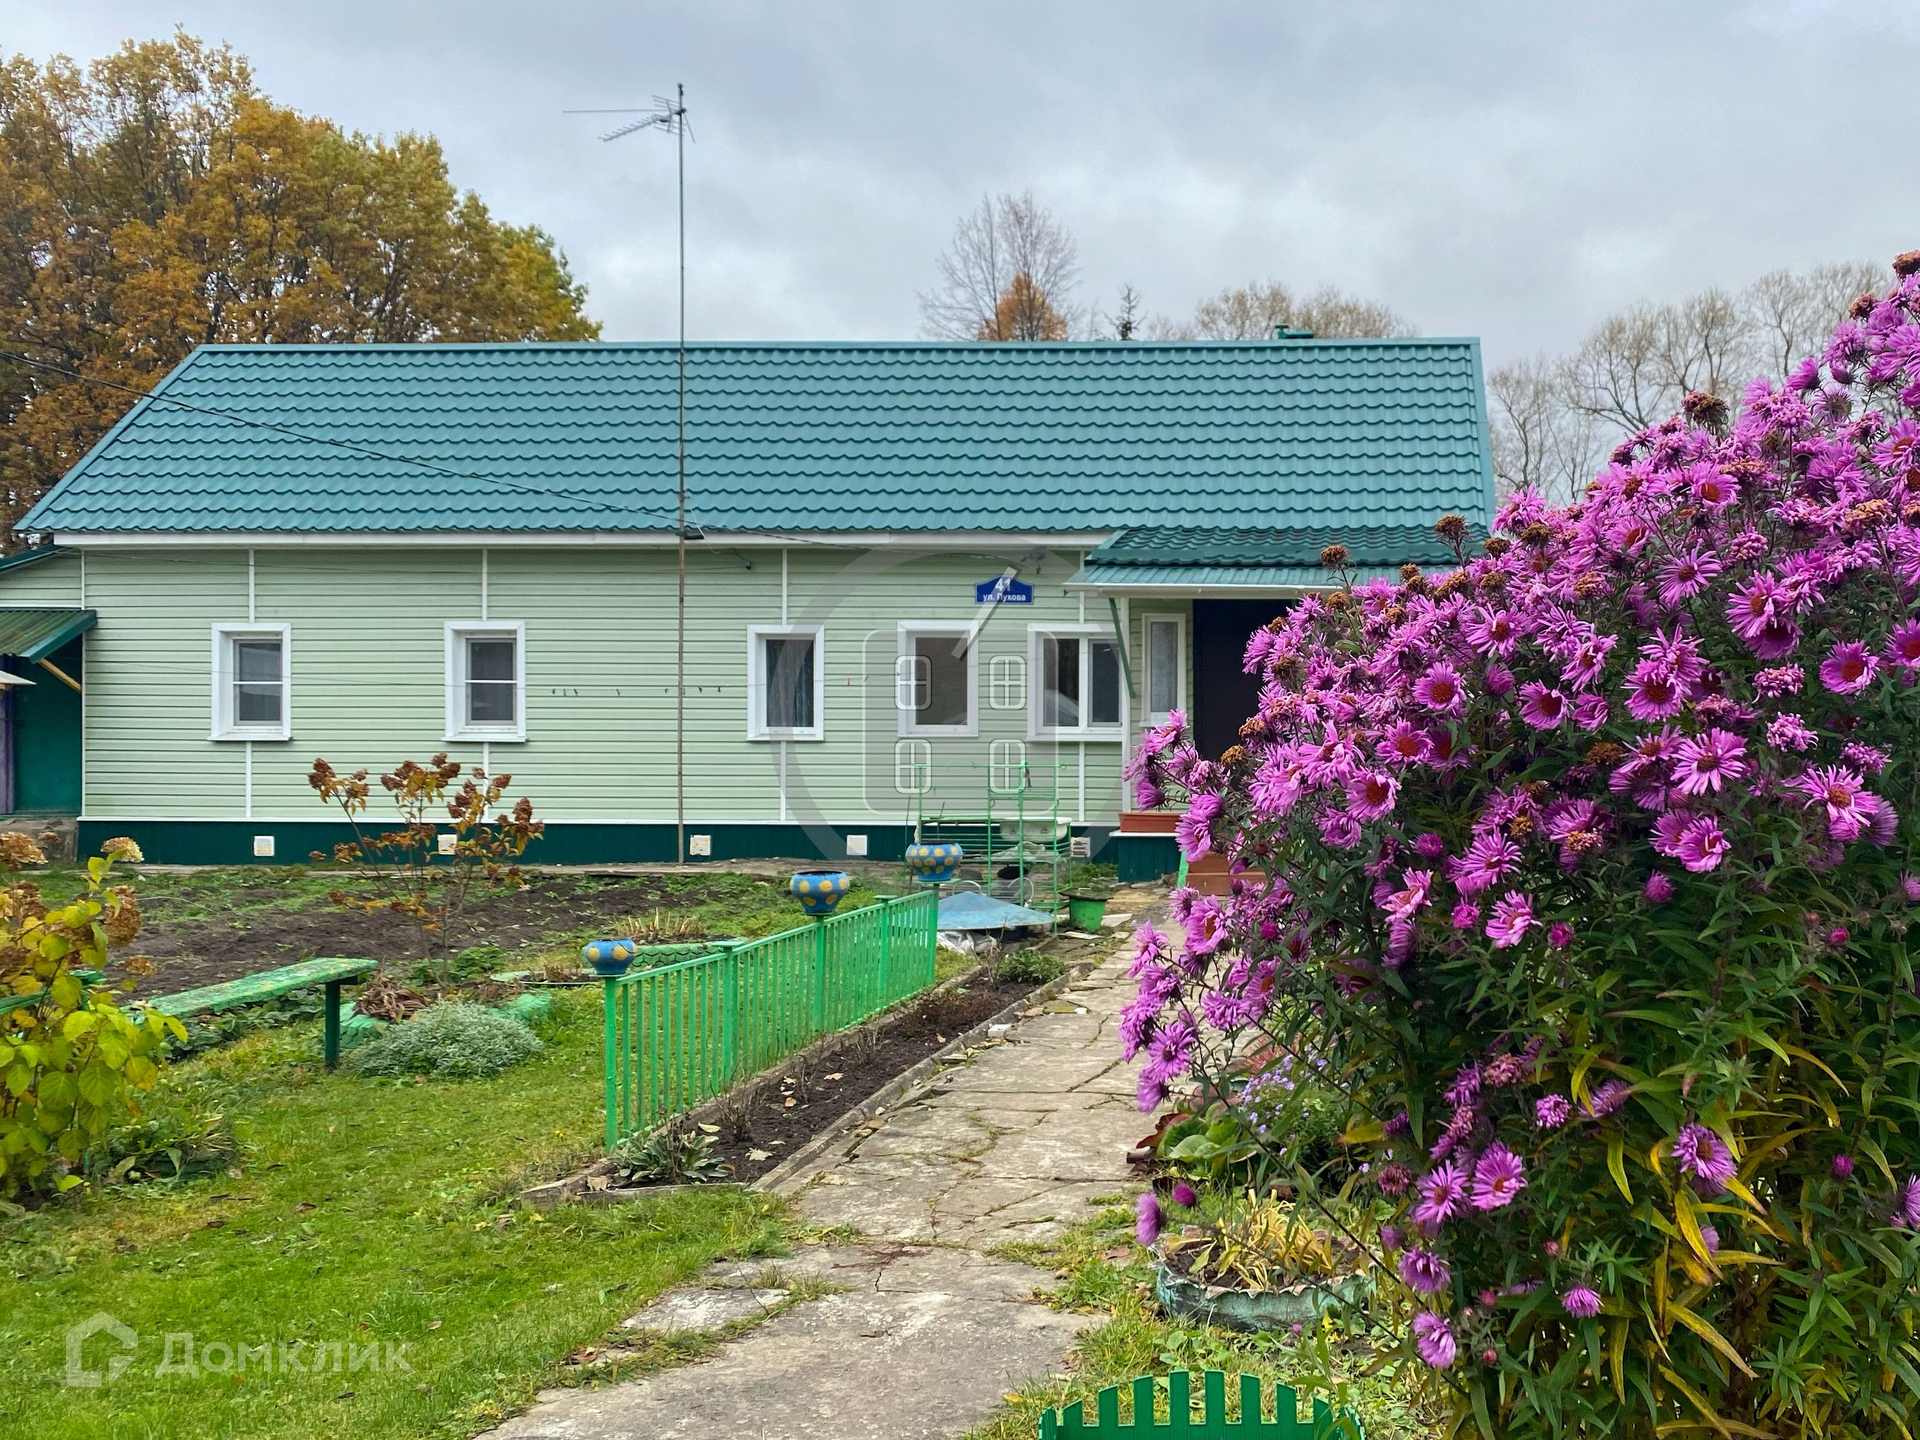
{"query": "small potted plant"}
pixel 1259 1266
pixel 1087 896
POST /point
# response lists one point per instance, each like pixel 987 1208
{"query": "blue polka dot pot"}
pixel 819 891
pixel 934 864
pixel 609 958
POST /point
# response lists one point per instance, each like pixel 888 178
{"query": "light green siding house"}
pixel 918 577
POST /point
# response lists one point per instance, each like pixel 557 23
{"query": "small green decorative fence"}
pixel 1253 1422
pixel 681 1033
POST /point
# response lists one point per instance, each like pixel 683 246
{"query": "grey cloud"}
pixel 1509 170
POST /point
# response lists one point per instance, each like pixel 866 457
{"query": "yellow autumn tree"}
pixel 1024 313
pixel 155 201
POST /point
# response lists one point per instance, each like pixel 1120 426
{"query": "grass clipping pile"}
pixel 452 1041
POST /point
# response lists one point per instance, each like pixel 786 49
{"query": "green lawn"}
pixel 363 1211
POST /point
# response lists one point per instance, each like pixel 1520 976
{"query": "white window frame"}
pixel 1148 716
pixel 911 630
pixel 1037 682
pixel 458 633
pixel 757 727
pixel 225 727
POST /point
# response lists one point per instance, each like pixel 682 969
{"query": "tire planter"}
pixel 1256 1310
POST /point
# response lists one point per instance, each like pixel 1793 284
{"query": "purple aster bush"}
pixel 1584 871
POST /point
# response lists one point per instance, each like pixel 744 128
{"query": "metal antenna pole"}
pixel 680 617
pixel 672 115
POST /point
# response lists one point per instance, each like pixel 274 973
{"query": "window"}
pixel 1166 664
pixel 486 680
pixel 785 697
pixel 1007 682
pixel 1079 683
pixel 251 693
pixel 934 678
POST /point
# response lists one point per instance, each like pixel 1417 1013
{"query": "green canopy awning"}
pixel 33 635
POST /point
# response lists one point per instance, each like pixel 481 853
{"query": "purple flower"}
pixel 1787 731
pixel 1371 794
pixel 1441 689
pixel 1705 1157
pixel 1653 693
pixel 1560 936
pixel 1185 1195
pixel 1390 1237
pixel 1433 1339
pixel 1659 888
pixel 1498 1178
pixel 1582 1302
pixel 1781 680
pixel 1511 918
pixel 1542 708
pixel 1842 1166
pixel 1443 1194
pixel 1146 1228
pixel 1550 1112
pixel 1193 830
pixel 1466 915
pixel 1705 762
pixel 1424 1272
pixel 1710 1237
pixel 1608 1098
pixel 1906 1205
pixel 1702 845
pixel 1394 1178
pixel 1848 668
pixel 1903 646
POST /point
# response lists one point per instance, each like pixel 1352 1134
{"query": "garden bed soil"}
pixel 189 953
pixel 762 1123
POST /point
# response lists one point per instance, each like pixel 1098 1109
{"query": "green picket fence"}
pixel 684 1032
pixel 1253 1423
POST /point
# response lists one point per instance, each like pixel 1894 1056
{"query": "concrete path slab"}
pixel 927 1328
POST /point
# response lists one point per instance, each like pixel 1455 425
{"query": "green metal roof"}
pixel 1246 558
pixel 36 634
pixel 792 438
pixel 1183 578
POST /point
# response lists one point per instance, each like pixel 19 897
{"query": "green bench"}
pixel 271 985
pixel 20 1002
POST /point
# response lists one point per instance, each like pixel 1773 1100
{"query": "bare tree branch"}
pixel 1007 274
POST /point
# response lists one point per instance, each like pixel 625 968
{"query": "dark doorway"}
pixel 42 752
pixel 1224 696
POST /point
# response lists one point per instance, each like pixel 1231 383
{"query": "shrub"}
pixel 1028 967
pixel 410 874
pixel 453 1040
pixel 72 1061
pixel 1586 871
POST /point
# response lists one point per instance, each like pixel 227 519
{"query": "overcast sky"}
pixel 1512 170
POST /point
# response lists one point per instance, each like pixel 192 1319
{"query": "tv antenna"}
pixel 671 116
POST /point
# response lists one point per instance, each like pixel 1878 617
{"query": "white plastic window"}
pixel 486 680
pixel 252 693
